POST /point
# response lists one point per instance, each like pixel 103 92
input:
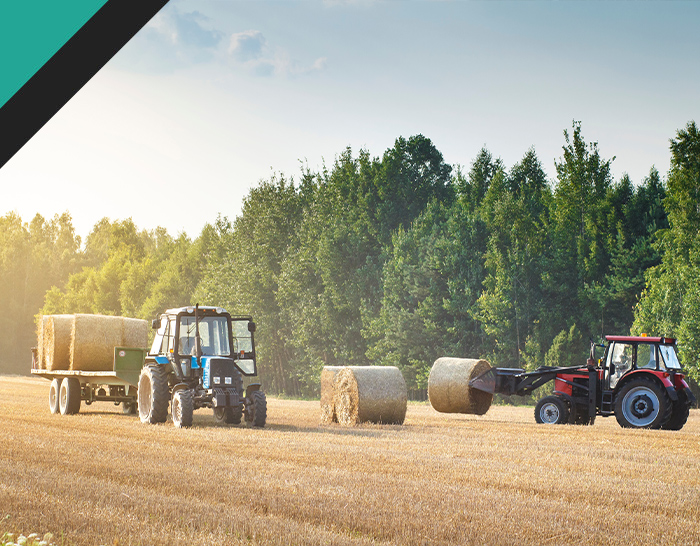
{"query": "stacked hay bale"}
pixel 41 322
pixel 375 394
pixel 57 342
pixel 328 375
pixel 86 342
pixel 94 337
pixel 449 390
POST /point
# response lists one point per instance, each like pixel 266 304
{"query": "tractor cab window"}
pixel 243 346
pixel 646 356
pixel 213 336
pixel 163 342
pixel 669 359
pixel 620 360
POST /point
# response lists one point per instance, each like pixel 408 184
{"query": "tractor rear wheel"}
pixel 552 410
pixel 256 409
pixel 679 413
pixel 182 408
pixel 69 396
pixel 228 416
pixel 54 395
pixel 642 403
pixel 153 395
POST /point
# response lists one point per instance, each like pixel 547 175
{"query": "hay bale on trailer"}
pixel 449 390
pixel 328 375
pixel 41 323
pixel 57 342
pixel 93 340
pixel 134 332
pixel 375 394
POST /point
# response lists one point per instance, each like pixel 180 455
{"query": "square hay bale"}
pixel 375 394
pixel 57 342
pixel 449 390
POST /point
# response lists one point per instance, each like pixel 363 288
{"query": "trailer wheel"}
pixel 679 413
pixel 551 410
pixel 182 408
pixel 153 395
pixel 54 395
pixel 642 403
pixel 69 396
pixel 256 409
pixel 228 416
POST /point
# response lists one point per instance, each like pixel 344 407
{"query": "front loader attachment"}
pixel 508 381
pixel 497 381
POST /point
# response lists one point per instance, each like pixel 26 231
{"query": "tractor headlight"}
pixel 227 380
pixel 217 381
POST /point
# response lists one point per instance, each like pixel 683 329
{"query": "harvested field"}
pixel 440 479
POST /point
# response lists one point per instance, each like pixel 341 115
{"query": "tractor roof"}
pixel 190 309
pixel 642 339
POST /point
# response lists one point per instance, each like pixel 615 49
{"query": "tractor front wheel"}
pixel 551 410
pixel 228 416
pixel 153 395
pixel 256 409
pixel 642 403
pixel 182 408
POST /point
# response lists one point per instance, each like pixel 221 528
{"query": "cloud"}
pixel 247 46
pixel 185 29
pixel 250 49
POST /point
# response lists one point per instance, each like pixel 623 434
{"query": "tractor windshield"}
pixel 213 333
pixel 668 355
pixel 243 346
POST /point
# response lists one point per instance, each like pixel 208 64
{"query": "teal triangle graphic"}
pixel 31 31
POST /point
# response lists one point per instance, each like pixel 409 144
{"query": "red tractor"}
pixel 639 380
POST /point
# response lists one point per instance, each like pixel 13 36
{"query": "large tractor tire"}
pixel 679 413
pixel 69 396
pixel 54 395
pixel 552 410
pixel 228 416
pixel 153 395
pixel 256 409
pixel 182 408
pixel 642 403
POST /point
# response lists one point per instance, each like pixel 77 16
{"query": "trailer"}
pixel 69 388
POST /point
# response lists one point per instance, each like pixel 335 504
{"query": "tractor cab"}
pixel 198 359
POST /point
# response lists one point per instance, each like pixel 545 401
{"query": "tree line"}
pixel 397 260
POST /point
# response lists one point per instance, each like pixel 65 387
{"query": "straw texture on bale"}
pixel 449 390
pixel 134 332
pixel 94 338
pixel 40 329
pixel 57 342
pixel 375 394
pixel 328 375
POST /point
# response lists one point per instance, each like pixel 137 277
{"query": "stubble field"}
pixel 101 477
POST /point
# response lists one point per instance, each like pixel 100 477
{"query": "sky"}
pixel 213 96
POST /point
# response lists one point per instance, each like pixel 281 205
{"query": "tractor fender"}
pixel 250 389
pixel 179 387
pixel 657 376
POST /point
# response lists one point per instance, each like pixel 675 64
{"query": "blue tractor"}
pixel 198 360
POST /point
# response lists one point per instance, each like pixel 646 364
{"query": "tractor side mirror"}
pixel 612 369
pixel 155 324
pixel 251 326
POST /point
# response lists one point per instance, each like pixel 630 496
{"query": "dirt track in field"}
pixel 100 476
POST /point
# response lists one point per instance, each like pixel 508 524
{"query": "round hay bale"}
pixel 375 394
pixel 93 340
pixel 449 390
pixel 328 375
pixel 135 333
pixel 57 342
pixel 41 322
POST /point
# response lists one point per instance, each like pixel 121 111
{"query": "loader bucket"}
pixel 498 380
pixel 485 382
